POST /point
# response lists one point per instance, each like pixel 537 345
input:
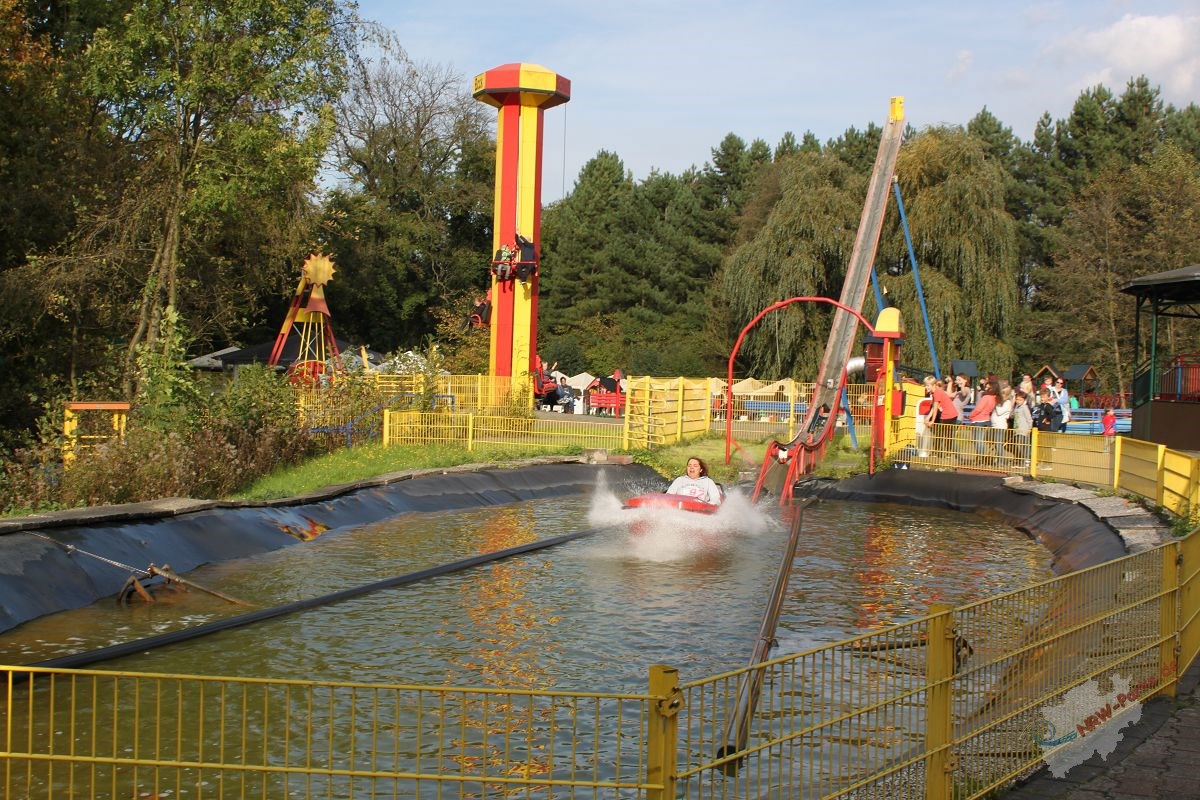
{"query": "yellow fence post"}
pixel 1117 462
pixel 1194 493
pixel 1189 602
pixel 1033 451
pixel 387 428
pixel 679 415
pixel 470 432
pixel 1158 475
pixel 70 431
pixel 625 421
pixel 663 734
pixel 791 413
pixel 939 722
pixel 1168 626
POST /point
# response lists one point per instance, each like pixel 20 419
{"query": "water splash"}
pixel 659 534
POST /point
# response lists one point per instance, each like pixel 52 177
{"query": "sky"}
pixel 660 82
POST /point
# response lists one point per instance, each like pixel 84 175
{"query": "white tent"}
pixel 746 385
pixel 581 381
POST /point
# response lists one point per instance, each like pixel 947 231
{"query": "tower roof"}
pixel 529 81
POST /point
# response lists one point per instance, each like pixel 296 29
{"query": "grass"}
pixel 372 460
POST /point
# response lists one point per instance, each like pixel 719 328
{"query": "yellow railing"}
pixel 471 430
pixel 1165 477
pixel 82 433
pixel 661 411
pixel 458 392
pixel 777 409
pixel 954 704
pixel 128 735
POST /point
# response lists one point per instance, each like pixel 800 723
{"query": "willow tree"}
pixel 802 248
pixel 964 238
pixel 220 104
pixel 966 246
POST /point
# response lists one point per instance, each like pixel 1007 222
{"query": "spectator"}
pixel 943 408
pixel 1022 423
pixel 566 397
pixel 1063 398
pixel 1109 421
pixel 1026 386
pixel 962 396
pixel 1048 415
pixel 981 418
pixel 1000 420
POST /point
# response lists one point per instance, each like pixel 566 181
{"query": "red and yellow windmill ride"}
pixel 521 93
pixel 310 314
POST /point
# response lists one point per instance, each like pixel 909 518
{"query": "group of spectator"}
pixel 554 392
pixel 994 405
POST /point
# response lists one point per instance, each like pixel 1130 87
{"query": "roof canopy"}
pixel 1180 286
pixel 1081 372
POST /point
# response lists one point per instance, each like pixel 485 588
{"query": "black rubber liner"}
pixel 39 577
pixel 1075 537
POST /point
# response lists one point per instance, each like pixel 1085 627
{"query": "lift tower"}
pixel 521 93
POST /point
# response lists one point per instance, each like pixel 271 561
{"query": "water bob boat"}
pixel 673 501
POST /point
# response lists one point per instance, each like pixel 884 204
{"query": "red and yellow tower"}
pixel 521 93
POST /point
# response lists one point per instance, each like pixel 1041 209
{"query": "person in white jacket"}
pixel 1001 415
pixel 696 483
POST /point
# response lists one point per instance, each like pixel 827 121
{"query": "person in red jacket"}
pixel 942 409
pixel 980 418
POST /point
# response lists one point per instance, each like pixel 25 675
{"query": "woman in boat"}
pixel 696 483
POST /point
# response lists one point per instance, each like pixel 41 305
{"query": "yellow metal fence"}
pixel 128 735
pixel 953 704
pixel 471 430
pixel 778 408
pixel 1168 478
pixel 661 411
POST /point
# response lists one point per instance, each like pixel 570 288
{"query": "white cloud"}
pixel 1161 47
pixel 962 63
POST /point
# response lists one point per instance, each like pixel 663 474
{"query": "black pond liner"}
pixel 1075 537
pixel 43 571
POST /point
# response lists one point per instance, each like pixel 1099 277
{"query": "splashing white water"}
pixel 667 534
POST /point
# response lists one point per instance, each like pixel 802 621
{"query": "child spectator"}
pixel 1048 414
pixel 1109 421
pixel 1022 423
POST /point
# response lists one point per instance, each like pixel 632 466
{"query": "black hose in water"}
pixel 78 660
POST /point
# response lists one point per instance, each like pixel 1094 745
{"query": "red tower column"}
pixel 521 93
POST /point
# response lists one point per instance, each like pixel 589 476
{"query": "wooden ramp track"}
pixel 812 436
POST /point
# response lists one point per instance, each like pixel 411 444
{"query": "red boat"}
pixel 676 501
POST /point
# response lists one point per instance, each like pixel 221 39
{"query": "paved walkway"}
pixel 1158 757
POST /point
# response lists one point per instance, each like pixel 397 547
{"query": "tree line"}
pixel 171 163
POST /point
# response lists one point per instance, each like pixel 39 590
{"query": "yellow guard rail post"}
pixel 663 732
pixel 939 725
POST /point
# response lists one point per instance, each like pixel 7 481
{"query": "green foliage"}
pixel 411 231
pixel 167 390
pixel 1131 220
pixel 222 443
pixel 626 268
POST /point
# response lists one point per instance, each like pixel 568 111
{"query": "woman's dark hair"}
pixel 703 466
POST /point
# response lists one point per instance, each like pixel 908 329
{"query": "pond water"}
pixel 594 613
